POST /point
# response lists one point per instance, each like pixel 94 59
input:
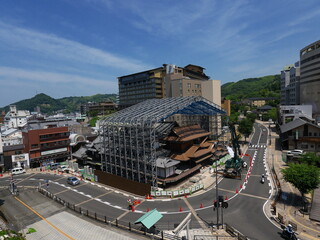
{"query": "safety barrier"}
pixel 235 233
pixel 153 233
pixel 177 193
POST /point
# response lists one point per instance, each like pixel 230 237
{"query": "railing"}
pixel 153 233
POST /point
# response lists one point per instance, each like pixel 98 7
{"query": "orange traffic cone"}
pixel 201 206
pixel 237 190
pixel 180 210
pixel 227 198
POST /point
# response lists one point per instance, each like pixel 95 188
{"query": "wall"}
pixel 127 185
pixel 211 90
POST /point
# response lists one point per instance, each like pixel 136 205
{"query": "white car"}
pixel 295 152
pixel 63 168
pixel 17 170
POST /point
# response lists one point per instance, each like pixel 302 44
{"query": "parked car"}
pixel 63 168
pixel 17 170
pixel 54 166
pixel 73 181
pixel 295 152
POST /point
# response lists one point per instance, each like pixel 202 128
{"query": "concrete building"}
pixel 258 101
pixel 168 81
pixel 16 118
pixel 310 77
pixel 11 136
pixel 137 87
pixel 46 145
pixel 11 157
pixel 290 85
pixel 226 106
pixel 292 112
pixel 98 108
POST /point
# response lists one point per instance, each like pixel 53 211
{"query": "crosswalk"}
pixel 258 146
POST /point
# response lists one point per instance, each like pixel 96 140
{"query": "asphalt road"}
pixel 245 210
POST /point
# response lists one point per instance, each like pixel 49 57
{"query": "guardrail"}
pixel 153 233
pixel 235 233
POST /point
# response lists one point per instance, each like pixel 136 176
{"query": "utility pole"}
pixel 217 194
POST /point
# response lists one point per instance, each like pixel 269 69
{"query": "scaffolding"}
pixel 131 137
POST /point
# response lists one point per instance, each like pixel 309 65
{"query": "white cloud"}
pixel 8 74
pixel 57 47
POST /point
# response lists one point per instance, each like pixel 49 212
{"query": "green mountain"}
pixel 267 86
pixel 48 104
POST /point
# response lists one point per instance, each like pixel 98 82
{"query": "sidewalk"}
pixel 289 202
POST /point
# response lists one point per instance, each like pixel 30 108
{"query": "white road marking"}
pixel 117 207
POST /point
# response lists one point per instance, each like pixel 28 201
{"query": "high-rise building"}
pixel 310 77
pixel 168 81
pixel 172 81
pixel 290 85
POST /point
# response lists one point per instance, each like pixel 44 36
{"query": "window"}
pixel 189 85
pixel 34 145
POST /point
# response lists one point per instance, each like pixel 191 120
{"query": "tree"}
pixel 304 177
pixel 245 127
pixel 310 158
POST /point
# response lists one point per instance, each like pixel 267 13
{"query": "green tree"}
pixel 252 117
pixel 245 127
pixel 310 158
pixel 304 177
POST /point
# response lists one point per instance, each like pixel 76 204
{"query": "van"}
pixel 54 166
pixel 295 152
pixel 17 170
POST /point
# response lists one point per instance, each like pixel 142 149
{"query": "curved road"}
pixel 245 211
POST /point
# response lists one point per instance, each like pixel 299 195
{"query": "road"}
pixel 245 210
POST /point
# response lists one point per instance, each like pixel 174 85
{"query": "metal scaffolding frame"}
pixel 131 137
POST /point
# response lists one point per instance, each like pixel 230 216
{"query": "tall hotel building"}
pixel 310 77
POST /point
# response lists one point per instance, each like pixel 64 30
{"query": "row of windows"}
pixel 53 144
pixel 55 135
pixel 312 69
pixel 195 85
pixel 311 49
pixel 311 75
pixel 309 65
pixel 310 59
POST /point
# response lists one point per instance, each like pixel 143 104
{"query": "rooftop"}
pixel 153 111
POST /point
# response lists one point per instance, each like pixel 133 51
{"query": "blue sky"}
pixel 80 47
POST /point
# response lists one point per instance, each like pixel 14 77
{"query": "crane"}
pixel 234 165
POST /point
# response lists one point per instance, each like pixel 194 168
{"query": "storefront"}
pixel 20 160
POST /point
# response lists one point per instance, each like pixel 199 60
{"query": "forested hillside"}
pixel 48 104
pixel 267 86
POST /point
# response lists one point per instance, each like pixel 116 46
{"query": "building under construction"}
pixel 134 138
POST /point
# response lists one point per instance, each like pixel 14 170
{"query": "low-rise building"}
pixel 288 113
pixel 14 157
pixel 300 134
pixel 47 145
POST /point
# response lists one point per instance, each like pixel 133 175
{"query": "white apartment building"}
pixel 16 118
